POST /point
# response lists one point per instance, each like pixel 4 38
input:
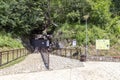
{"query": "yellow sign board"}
pixel 103 44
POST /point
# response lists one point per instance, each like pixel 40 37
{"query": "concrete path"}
pixel 34 63
pixel 90 71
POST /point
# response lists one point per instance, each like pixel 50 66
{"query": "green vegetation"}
pixel 77 31
pixel 103 21
pixel 7 42
pixel 20 17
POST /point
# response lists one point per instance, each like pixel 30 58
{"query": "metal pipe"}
pixel 86 47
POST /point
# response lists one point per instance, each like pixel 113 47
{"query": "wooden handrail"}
pixel 68 52
pixel 11 55
pixel 11 50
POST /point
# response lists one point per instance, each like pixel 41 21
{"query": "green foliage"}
pixel 73 16
pixel 115 9
pixel 6 40
pixel 20 17
pixel 78 32
pixel 100 12
pixel 116 29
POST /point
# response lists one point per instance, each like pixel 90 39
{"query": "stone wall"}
pixel 104 58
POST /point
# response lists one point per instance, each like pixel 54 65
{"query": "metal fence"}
pixel 11 55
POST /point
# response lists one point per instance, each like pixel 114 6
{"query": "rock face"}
pixel 26 44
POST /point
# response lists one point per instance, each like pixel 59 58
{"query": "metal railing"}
pixel 11 55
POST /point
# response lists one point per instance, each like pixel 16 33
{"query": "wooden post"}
pixel 80 53
pixel 70 53
pixel 7 56
pixel 20 52
pixel 60 52
pixel 24 52
pixel 12 54
pixel 56 52
pixel 17 53
pixel 48 59
pixel 0 58
pixel 65 52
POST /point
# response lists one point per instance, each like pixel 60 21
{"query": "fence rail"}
pixel 77 53
pixel 11 55
pixel 74 53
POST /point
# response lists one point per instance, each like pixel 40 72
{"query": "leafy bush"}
pixel 7 41
pixel 73 16
pixel 78 32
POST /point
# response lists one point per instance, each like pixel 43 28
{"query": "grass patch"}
pixel 13 62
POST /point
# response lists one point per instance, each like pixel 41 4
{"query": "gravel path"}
pixel 34 63
pixel 57 62
pixel 32 68
pixel 90 71
pixel 101 71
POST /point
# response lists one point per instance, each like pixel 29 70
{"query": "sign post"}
pixel 74 43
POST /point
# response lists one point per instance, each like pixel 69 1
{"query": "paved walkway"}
pixel 90 71
pixel 34 63
pixel 32 68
